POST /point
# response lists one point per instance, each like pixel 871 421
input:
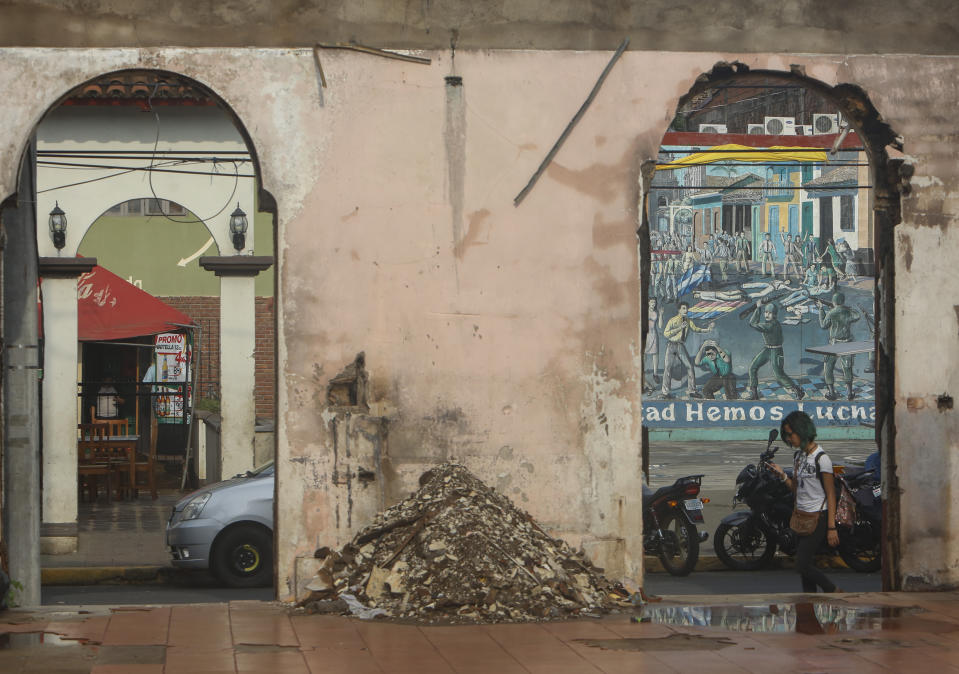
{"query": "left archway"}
pixel 126 135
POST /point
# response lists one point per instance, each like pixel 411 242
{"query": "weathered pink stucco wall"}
pixel 504 337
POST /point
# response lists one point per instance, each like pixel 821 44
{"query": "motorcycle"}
pixel 670 516
pixel 747 540
pixel 860 545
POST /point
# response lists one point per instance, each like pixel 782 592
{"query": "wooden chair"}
pixel 115 426
pixel 93 462
pixel 145 466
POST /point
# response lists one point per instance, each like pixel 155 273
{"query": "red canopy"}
pixel 109 307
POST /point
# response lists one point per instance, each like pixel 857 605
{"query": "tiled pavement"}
pixel 879 632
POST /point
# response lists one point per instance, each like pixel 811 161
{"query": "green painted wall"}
pixel 149 249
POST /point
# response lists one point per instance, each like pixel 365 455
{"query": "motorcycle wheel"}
pixel 746 546
pixel 679 552
pixel 861 547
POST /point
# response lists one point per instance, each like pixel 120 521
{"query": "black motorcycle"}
pixel 670 516
pixel 747 540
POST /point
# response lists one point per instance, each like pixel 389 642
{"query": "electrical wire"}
pixel 70 165
pixel 153 158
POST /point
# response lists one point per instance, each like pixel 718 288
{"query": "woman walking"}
pixel 813 484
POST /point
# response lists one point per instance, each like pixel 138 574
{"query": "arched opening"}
pixel 157 182
pixel 785 283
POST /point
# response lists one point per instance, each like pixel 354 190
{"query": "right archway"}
pixel 769 224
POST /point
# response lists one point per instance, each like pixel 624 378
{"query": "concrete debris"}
pixel 456 551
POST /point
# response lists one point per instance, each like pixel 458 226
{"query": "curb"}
pixel 167 575
pixel 713 563
pixel 110 575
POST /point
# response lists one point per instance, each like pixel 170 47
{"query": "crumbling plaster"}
pixel 513 348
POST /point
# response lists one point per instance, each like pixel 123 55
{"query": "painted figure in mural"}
pixel 838 321
pixel 717 360
pixel 827 273
pixel 849 260
pixel 765 320
pixel 655 263
pixel 811 279
pixel 836 261
pixel 655 317
pixel 809 251
pixel 676 331
pixel 871 324
pixel 688 260
pixel 722 255
pixel 792 248
pixel 670 271
pixel 742 253
pixel 767 253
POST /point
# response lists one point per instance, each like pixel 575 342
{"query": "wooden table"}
pixel 125 444
pixel 842 348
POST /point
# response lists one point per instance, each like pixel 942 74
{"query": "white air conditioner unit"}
pixel 712 128
pixel 759 129
pixel 804 130
pixel 780 126
pixel 823 124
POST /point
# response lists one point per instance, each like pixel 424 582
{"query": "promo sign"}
pixel 172 365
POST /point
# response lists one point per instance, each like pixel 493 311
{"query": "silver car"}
pixel 227 528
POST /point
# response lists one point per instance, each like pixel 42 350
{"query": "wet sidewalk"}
pixel 875 632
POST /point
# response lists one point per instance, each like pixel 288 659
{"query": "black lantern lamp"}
pixel 238 224
pixel 58 227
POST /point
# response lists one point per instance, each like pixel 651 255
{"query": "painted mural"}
pixel 762 286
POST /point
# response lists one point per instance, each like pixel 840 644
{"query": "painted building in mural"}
pixel 761 289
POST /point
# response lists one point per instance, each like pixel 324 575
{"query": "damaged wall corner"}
pixel 358 443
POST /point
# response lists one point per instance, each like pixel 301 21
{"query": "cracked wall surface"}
pixel 507 338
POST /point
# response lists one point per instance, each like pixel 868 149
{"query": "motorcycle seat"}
pixel 856 477
pixel 650 494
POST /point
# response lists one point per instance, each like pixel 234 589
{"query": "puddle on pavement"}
pixel 48 652
pixel 802 617
pixel 16 640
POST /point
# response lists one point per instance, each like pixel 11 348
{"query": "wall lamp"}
pixel 58 227
pixel 238 225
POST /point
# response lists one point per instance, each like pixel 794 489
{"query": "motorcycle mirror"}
pixel 773 434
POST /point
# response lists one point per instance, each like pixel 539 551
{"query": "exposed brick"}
pixel 205 311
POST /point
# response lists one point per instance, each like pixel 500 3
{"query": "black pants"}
pixel 805 559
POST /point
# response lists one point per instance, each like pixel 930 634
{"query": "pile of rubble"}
pixel 456 551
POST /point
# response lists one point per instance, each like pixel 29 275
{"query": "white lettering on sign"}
pixel 735 414
pixel 713 413
pixel 776 413
pixel 756 413
pixel 694 412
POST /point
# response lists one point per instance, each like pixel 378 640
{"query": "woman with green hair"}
pixel 813 484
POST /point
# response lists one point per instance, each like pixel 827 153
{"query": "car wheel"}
pixel 243 557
